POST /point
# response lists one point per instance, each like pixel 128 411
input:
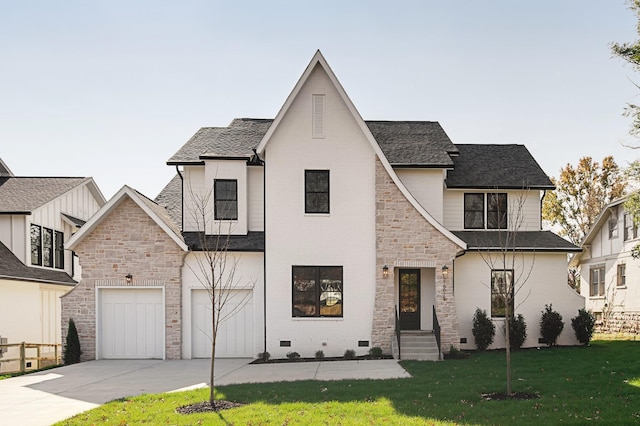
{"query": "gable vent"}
pixel 318 116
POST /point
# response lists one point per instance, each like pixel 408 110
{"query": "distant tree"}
pixel 580 195
pixel 72 350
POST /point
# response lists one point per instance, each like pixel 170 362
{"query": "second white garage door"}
pixel 131 323
pixel 235 333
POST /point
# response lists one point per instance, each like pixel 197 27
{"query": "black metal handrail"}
pixel 397 324
pixel 436 330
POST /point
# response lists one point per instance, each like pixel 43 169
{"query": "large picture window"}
pixel 225 194
pixel 317 291
pixel 596 281
pixel 501 292
pixel 497 211
pixel 316 191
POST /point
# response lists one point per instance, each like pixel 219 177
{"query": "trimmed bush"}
pixel 264 356
pixel 72 349
pixel 551 325
pixel 293 355
pixel 517 331
pixel 349 354
pixel 583 326
pixel 484 330
pixel 375 352
pixel 319 354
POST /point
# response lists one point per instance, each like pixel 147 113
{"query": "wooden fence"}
pixel 28 353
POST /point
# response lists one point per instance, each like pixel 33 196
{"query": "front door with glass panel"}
pixel 409 284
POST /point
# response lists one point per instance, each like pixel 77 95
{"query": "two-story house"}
pixel 609 276
pixel 341 231
pixel 37 216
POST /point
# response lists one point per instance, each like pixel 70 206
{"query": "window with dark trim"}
pixel 497 210
pixel 501 292
pixel 225 195
pixel 316 191
pixel 317 291
pixel 621 280
pixel 596 281
pixel 58 257
pixel 474 211
pixel 36 245
pixel 47 247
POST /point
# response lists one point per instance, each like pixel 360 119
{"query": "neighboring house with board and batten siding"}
pixel 343 230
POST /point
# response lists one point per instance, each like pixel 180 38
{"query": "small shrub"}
pixel 375 352
pixel 319 354
pixel 583 326
pixel 72 349
pixel 293 355
pixel 349 354
pixel 517 331
pixel 264 356
pixel 551 325
pixel 484 330
pixel 455 353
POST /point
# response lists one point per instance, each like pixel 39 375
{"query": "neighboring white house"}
pixel 343 230
pixel 37 215
pixel 609 276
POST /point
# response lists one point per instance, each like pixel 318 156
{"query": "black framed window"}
pixel 225 194
pixel 317 291
pixel 473 211
pixel 497 211
pixel 596 281
pixel 47 247
pixel 316 191
pixel 501 292
pixel 36 245
pixel 58 257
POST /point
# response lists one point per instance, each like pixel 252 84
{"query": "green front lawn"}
pixel 576 385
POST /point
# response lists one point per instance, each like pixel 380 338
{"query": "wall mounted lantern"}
pixel 385 272
pixel 445 271
pixel 129 278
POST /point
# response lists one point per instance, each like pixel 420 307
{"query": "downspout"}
pixel 181 199
pixel 544 194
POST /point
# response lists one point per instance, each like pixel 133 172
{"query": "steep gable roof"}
pixel 156 212
pixel 11 268
pixel 4 169
pixel 484 166
pixel 171 199
pixel 25 194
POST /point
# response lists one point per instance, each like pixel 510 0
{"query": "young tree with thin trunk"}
pixel 215 269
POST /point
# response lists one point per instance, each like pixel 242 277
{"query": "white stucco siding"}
pixel 344 237
pixel 426 185
pixel 546 284
pixel 255 192
pixel 248 277
pixel 524 203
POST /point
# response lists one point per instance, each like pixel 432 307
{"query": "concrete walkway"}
pixel 50 396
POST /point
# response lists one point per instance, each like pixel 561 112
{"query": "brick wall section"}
pixel 127 241
pixel 403 234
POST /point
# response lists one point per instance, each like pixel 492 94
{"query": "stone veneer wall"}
pixel 402 234
pixel 127 241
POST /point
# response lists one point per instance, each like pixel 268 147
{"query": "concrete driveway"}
pixel 49 396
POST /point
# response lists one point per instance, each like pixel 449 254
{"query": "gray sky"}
pixel 111 89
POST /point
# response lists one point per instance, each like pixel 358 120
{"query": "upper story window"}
pixel 630 228
pixel 225 195
pixel 621 280
pixel 501 292
pixel 47 247
pixel 317 291
pixel 496 211
pixel 316 191
pixel 613 227
pixel 317 116
pixel 596 281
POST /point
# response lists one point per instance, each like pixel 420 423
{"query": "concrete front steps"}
pixel 419 345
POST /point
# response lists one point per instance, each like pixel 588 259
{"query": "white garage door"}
pixel 131 323
pixel 235 332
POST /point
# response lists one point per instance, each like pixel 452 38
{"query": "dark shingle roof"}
pixel 25 194
pixel 413 143
pixel 543 241
pixel 496 166
pixel 253 241
pixel 235 141
pixel 171 199
pixel 13 269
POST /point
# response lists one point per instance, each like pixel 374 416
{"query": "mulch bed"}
pixel 503 396
pixel 206 407
pixel 339 358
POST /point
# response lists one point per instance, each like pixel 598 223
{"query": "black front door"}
pixel 409 299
